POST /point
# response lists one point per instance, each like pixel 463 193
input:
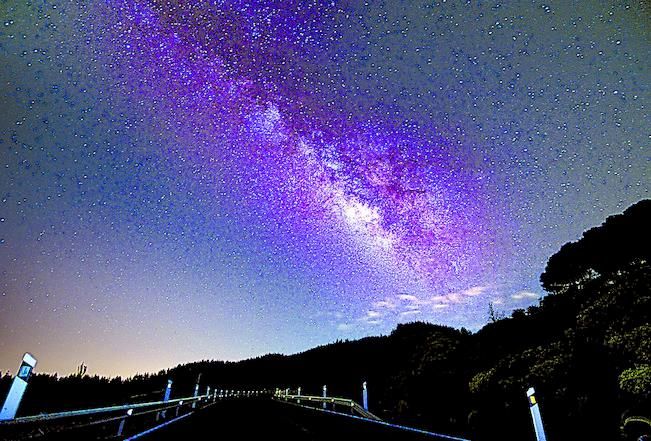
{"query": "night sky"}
pixel 223 179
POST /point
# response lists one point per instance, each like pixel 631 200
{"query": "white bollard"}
pixel 15 395
pixel 166 398
pixel 325 394
pixel 196 392
pixel 364 396
pixel 535 415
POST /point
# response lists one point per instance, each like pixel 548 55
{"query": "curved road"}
pixel 266 419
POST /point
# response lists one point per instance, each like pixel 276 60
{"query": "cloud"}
pixel 385 304
pixel 344 327
pixel 405 305
pixel 474 291
pixel 372 317
pixel 453 297
pixel 525 295
pixel 459 296
pixel 400 305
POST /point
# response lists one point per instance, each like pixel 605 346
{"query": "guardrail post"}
pixel 364 396
pixel 166 398
pixel 325 394
pixel 196 391
pixel 123 421
pixel 15 394
pixel 535 415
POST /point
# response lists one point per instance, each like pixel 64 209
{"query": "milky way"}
pixel 187 180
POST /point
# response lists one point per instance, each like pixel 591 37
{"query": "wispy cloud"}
pixel 373 314
pixel 404 314
pixel 524 295
pixel 385 304
pixel 372 317
pixel 344 327
pixel 474 291
pixel 460 296
pixel 404 305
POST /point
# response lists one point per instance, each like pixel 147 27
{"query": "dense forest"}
pixel 586 348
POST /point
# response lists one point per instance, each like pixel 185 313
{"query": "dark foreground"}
pixel 266 419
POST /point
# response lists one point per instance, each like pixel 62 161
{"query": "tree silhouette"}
pixel 620 239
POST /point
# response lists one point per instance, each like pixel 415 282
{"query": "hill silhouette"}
pixel 586 348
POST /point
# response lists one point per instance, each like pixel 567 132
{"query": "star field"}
pixel 191 180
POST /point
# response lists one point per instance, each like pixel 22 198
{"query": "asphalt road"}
pixel 260 419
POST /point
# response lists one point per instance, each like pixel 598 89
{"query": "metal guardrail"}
pixel 125 422
pixel 634 426
pixel 344 402
pixel 85 412
pixel 638 419
pixel 364 415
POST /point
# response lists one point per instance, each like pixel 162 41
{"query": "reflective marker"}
pixel 15 395
pixel 168 391
pixel 196 391
pixel 364 396
pixel 166 397
pixel 535 415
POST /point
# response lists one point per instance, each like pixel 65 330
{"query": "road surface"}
pixel 260 419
